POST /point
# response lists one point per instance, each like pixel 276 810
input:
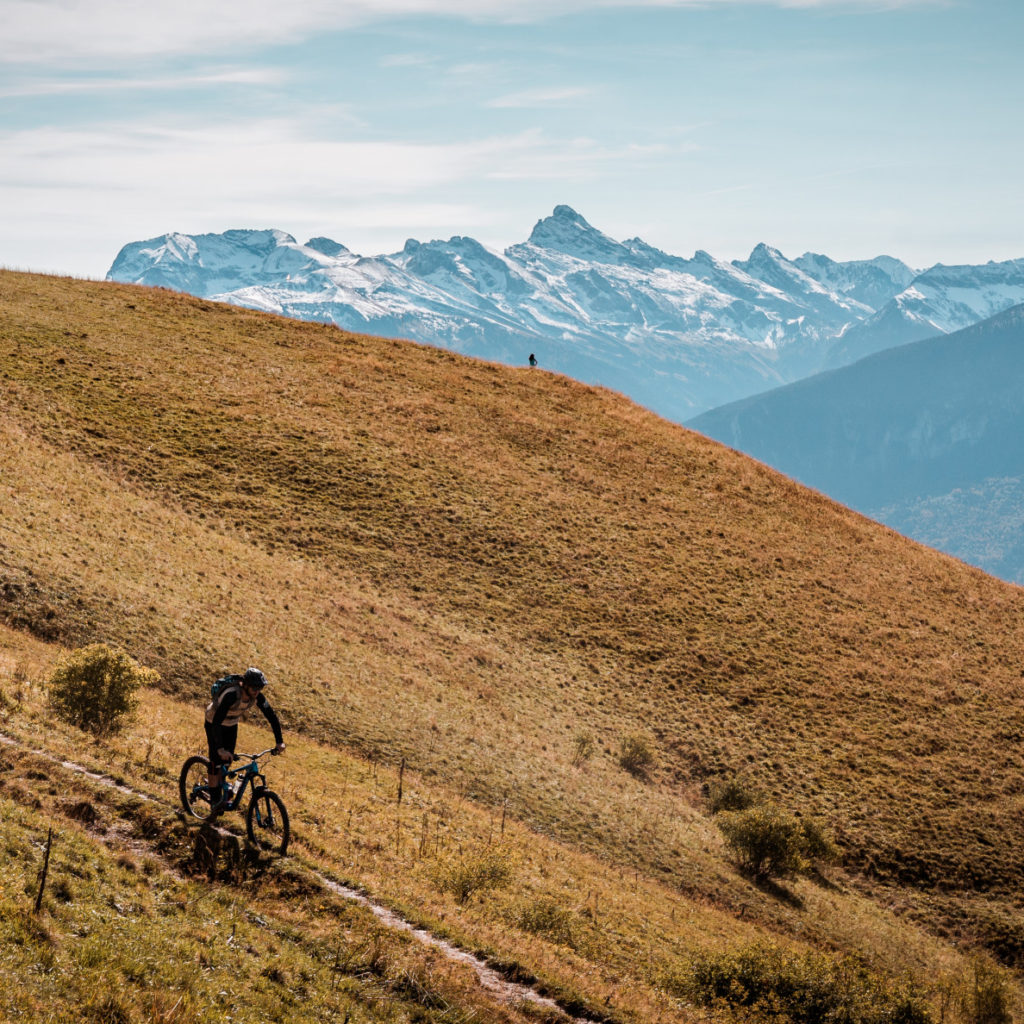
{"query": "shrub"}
pixel 818 845
pixel 635 754
pixel 94 688
pixel 766 842
pixel 546 916
pixel 583 748
pixel 471 872
pixel 732 794
pixel 986 999
pixel 802 988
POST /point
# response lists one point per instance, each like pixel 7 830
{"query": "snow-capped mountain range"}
pixel 677 335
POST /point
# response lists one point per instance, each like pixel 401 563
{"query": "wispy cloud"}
pixel 407 60
pixel 539 98
pixel 253 162
pixel 537 158
pixel 85 32
pixel 150 179
pixel 126 181
pixel 728 190
pixel 81 84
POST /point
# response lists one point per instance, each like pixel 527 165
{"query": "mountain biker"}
pixel 226 710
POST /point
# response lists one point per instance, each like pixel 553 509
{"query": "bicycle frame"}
pixel 251 776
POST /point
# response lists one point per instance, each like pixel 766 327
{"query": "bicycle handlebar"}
pixel 253 757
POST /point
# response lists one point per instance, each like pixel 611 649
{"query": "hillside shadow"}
pixel 822 881
pixel 219 856
pixel 778 891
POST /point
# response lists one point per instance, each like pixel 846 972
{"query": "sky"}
pixel 848 127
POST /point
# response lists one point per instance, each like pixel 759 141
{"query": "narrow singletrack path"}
pixel 499 987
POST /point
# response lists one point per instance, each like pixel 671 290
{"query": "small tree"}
pixel 732 793
pixel 474 871
pixel 986 999
pixel 635 754
pixel 766 842
pixel 545 916
pixel 819 847
pixel 583 748
pixel 94 688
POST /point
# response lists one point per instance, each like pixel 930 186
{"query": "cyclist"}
pixel 225 711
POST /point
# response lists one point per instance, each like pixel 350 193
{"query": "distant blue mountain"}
pixel 928 437
pixel 940 300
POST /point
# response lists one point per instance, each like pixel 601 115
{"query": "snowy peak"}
pixel 213 264
pixel 261 242
pixel 565 231
pixel 870 282
pixel 460 264
pixel 678 335
pixel 941 300
pixel 770 266
pixel 327 246
pixel 766 254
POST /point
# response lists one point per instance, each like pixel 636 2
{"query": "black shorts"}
pixel 222 737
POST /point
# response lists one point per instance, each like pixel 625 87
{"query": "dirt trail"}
pixel 499 987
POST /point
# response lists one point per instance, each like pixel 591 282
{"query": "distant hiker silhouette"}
pixel 533 359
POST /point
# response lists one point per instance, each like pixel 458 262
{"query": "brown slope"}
pixel 468 564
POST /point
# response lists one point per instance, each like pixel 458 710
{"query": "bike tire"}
pixel 266 822
pixel 194 775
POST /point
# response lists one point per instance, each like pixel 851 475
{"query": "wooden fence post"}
pixel 44 871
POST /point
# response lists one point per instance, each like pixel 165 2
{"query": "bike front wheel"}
pixel 266 821
pixel 194 787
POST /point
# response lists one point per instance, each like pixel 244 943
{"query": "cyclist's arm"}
pixel 271 716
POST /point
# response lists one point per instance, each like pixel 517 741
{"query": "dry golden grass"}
pixel 467 565
pixel 621 933
pixel 127 934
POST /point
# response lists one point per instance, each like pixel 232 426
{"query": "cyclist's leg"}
pixel 213 778
pixel 217 740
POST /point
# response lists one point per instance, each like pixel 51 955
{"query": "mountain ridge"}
pixel 924 425
pixel 678 335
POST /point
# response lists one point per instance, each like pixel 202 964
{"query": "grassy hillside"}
pixel 471 567
pixel 924 437
pixel 147 917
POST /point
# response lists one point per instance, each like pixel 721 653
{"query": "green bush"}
pixel 94 688
pixel 583 748
pixel 472 872
pixel 803 988
pixel 818 846
pixel 635 754
pixel 765 841
pixel 546 916
pixel 986 999
pixel 732 794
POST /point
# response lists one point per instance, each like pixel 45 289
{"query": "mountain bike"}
pixel 266 819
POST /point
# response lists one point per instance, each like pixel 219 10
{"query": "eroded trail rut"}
pixel 501 989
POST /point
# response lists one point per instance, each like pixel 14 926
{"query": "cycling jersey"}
pixel 229 708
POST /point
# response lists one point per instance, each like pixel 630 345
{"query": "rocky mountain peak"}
pixel 567 232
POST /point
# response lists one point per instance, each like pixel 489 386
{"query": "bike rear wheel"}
pixel 266 821
pixel 194 787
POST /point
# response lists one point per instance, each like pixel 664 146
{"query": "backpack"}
pixel 222 684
